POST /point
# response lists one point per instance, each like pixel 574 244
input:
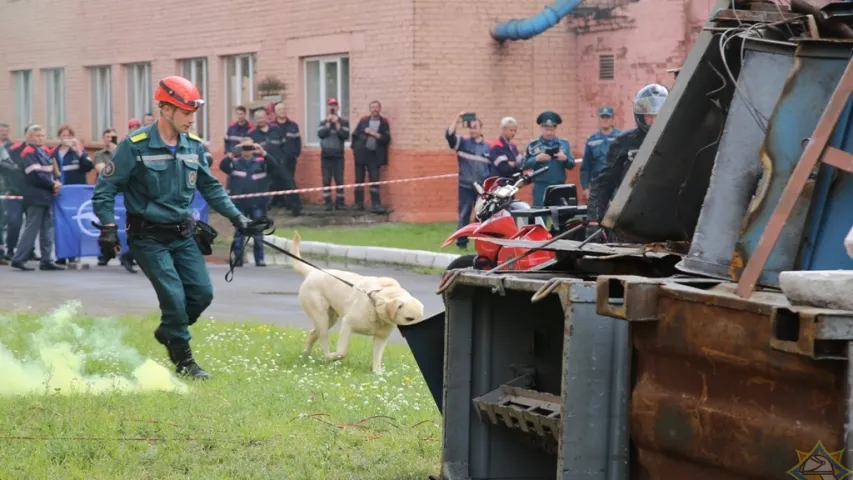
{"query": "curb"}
pixel 392 256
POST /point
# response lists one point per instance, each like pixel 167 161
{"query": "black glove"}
pixel 241 223
pixel 108 241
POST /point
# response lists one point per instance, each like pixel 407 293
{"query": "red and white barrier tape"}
pixel 312 189
pixel 351 185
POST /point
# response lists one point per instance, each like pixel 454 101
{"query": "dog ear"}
pixel 391 308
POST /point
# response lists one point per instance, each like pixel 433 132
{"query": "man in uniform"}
pixel 291 148
pixel 249 168
pixel 333 132
pixel 548 150
pixel 40 186
pixel 159 168
pixel 595 153
pixel 647 104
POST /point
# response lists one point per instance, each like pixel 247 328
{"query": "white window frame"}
pixel 139 91
pixel 54 99
pixel 195 70
pixel 100 88
pixel 238 93
pixel 322 104
pixel 23 99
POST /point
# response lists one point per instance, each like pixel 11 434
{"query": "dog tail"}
pixel 300 267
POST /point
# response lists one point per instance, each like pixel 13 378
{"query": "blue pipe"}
pixel 531 26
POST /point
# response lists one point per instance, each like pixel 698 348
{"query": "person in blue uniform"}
pixel 249 168
pixel 647 104
pixel 550 150
pixel 159 168
pixel 595 152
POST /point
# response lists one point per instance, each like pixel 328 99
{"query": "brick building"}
pixel 93 63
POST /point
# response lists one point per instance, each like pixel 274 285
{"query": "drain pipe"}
pixel 523 29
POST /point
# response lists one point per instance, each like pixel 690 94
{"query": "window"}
pixel 138 90
pixel 195 69
pixel 102 99
pixel 239 82
pixel 324 78
pixel 606 68
pixel 23 99
pixel 54 99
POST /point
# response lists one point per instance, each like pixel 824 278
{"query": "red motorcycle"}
pixel 500 215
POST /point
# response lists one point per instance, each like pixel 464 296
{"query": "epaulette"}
pixel 27 150
pixel 139 137
pixel 194 137
pixel 495 143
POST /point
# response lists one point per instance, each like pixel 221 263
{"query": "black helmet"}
pixel 648 101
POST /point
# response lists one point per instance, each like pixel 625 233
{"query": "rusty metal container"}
pixel 727 388
pixel 535 382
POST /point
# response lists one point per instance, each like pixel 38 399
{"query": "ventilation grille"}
pixel 606 68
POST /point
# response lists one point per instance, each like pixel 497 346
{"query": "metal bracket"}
pixel 638 295
pixel 499 287
pixel 546 289
pixel 812 332
pixel 447 281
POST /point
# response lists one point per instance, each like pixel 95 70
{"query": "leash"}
pixel 261 225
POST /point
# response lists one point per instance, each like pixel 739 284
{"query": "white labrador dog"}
pixel 374 308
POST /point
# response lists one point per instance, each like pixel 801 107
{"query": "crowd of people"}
pixel 607 155
pixel 260 156
pixel 31 173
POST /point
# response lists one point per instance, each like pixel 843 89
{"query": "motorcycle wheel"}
pixel 465 261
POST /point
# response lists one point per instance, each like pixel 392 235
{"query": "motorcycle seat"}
pixel 563 211
pixel 564 195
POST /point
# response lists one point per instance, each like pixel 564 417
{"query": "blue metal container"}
pixel 817 69
pixel 533 390
pixel 831 216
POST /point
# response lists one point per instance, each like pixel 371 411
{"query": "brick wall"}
pixel 424 60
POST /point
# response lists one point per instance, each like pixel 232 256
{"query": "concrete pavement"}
pixel 267 295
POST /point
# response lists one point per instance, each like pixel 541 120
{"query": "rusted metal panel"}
pixel 753 16
pixel 713 400
pixel 813 332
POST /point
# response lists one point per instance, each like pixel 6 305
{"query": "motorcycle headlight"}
pixel 478 205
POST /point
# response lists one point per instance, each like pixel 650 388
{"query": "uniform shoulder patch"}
pixel 109 169
pixel 194 136
pixel 139 137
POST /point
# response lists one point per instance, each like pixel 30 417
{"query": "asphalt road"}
pixel 267 294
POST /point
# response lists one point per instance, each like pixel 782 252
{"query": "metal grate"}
pixel 606 67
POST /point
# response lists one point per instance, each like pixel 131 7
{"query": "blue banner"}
pixel 74 234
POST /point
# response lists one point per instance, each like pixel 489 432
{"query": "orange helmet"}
pixel 180 92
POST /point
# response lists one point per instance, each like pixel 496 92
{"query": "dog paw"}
pixel 334 357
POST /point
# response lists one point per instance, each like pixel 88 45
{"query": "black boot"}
pixel 182 356
pixel 186 365
pixel 161 337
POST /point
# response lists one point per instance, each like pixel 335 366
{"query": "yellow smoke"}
pixel 55 366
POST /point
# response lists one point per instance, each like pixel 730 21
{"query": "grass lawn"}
pixel 267 413
pixel 416 236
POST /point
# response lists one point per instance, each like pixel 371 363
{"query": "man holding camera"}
pixel 248 168
pixel 158 168
pixel 333 132
pixel 472 153
pixel 548 150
